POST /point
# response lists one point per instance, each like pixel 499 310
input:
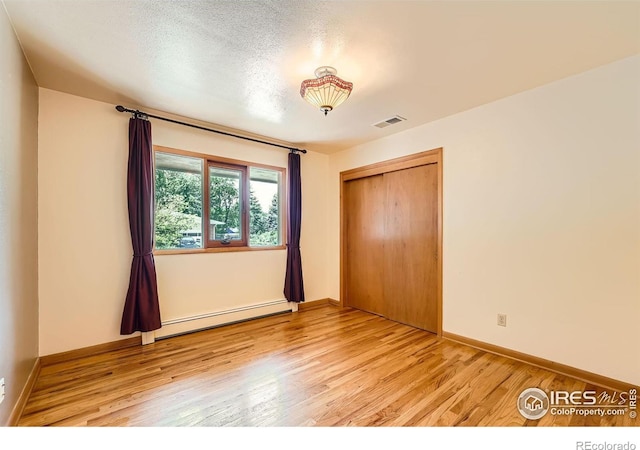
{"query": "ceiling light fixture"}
pixel 326 91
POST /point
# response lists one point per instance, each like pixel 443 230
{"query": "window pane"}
pixel 225 194
pixel 264 207
pixel 178 201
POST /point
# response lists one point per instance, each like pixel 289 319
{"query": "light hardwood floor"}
pixel 324 366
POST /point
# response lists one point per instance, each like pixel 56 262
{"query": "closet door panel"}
pixel 364 202
pixel 411 244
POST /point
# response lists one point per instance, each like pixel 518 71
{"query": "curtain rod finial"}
pixel 120 108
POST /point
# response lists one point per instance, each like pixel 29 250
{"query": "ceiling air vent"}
pixel 392 121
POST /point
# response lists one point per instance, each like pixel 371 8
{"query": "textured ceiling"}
pixel 239 64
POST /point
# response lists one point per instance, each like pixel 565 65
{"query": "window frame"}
pixel 244 199
pixel 243 244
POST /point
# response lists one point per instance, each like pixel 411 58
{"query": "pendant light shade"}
pixel 326 91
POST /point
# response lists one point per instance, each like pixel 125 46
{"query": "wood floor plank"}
pixel 325 366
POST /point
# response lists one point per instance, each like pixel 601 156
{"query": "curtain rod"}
pixel 144 115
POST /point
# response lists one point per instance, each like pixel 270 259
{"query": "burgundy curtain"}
pixel 293 286
pixel 141 308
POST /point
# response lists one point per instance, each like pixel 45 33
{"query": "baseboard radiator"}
pixel 213 319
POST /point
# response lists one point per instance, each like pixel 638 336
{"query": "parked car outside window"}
pixel 188 242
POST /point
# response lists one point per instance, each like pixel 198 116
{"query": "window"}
pixel 243 202
pixel 264 207
pixel 226 205
pixel 178 201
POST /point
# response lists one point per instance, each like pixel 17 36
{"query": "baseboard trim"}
pixel 14 418
pixel 582 375
pixel 56 358
pixel 305 306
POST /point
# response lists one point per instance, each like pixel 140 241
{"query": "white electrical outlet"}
pixel 502 320
pixel 1 390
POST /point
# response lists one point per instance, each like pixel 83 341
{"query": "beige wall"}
pixel 541 218
pixel 18 217
pixel 85 247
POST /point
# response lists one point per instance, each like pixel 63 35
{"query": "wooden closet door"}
pixel 411 244
pixel 364 215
